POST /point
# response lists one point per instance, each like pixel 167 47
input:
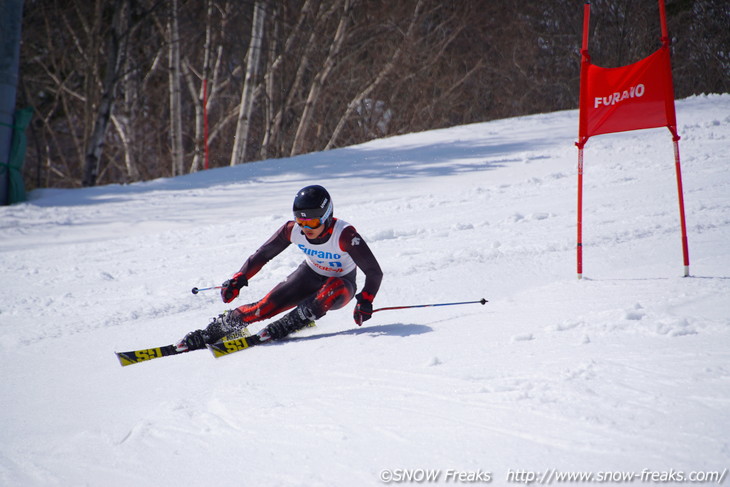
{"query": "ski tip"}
pixel 124 359
pixel 137 356
pixel 215 350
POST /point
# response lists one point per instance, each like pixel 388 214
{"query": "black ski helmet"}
pixel 313 202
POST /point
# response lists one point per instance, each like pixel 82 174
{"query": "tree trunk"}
pixel 199 122
pixel 124 116
pixel 268 86
pixel 387 68
pixel 176 141
pixel 319 80
pixel 200 95
pixel 238 155
pixel 272 139
pixel 115 56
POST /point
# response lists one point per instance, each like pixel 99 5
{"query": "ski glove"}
pixel 230 288
pixel 363 308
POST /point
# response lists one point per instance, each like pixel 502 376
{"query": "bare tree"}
pixel 371 86
pixel 320 79
pixel 175 73
pixel 200 95
pixel 115 52
pixel 314 74
pixel 253 59
pixel 274 140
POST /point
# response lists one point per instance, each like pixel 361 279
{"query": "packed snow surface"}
pixel 626 370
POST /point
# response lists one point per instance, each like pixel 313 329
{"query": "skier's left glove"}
pixel 231 288
pixel 363 308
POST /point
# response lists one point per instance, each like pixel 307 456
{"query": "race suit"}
pixel 326 278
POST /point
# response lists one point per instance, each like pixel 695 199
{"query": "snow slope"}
pixel 627 370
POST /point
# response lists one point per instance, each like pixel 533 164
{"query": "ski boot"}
pixel 224 324
pixel 298 318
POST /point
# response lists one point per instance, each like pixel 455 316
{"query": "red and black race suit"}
pixel 318 278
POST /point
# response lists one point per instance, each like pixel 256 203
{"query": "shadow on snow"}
pixel 395 329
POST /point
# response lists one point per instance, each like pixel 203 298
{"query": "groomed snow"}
pixel 626 370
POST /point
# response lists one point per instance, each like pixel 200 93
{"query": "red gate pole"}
pixel 663 20
pixel 205 122
pixel 682 221
pixel 671 116
pixel 582 130
pixel 579 246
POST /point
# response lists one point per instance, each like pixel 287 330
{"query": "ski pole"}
pixel 196 290
pixel 481 301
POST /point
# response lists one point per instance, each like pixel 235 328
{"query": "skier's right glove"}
pixel 231 288
pixel 363 308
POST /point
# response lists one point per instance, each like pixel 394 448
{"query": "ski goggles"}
pixel 311 223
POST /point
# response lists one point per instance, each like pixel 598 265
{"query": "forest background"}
pixel 119 88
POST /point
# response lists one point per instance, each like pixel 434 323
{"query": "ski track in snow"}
pixel 624 370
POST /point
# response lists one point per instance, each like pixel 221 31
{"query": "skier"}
pixel 333 251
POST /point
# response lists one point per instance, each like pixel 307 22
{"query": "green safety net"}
pixel 14 164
